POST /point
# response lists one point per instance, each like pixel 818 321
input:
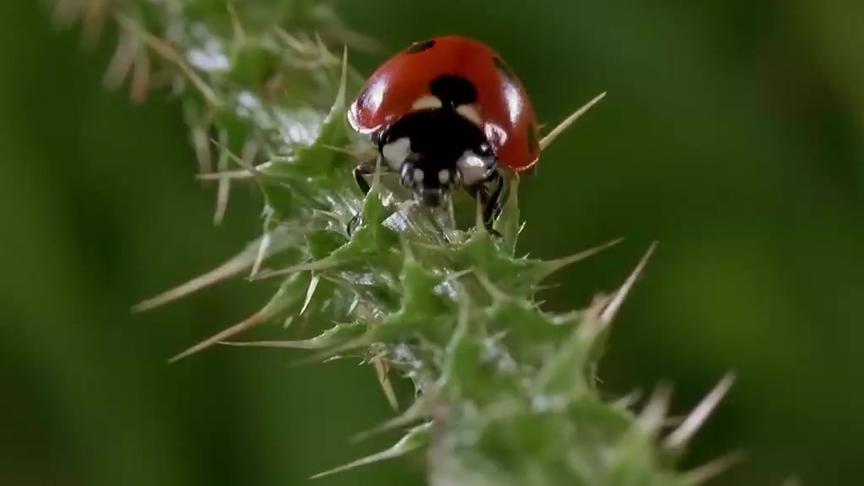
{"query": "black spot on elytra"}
pixel 533 143
pixel 420 46
pixel 504 68
pixel 453 90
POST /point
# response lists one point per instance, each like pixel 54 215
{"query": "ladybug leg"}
pixel 362 170
pixel 493 201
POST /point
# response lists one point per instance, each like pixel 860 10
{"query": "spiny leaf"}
pixel 317 265
pixel 287 297
pixel 509 388
pixel 415 438
pixel 421 409
pixel 331 338
pixel 282 238
pixel 543 269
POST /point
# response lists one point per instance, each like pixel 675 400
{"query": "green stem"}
pixel 506 390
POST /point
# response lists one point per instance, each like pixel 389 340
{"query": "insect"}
pixel 447 113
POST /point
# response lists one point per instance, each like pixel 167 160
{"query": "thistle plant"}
pixel 505 392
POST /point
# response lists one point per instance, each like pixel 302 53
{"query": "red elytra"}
pixel 507 117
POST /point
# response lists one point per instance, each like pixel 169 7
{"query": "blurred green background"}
pixel 733 133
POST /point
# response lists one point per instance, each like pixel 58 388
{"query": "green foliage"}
pixel 505 390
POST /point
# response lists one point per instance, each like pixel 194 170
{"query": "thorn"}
pixel 339 104
pixel 250 149
pixel 310 292
pixel 463 324
pixel 229 269
pixel 407 251
pixel 508 220
pixel 651 418
pixel 552 266
pixel 417 411
pixel 452 277
pixel 140 86
pixel 614 305
pixel 67 12
pixel 200 142
pixel 478 216
pixel 627 401
pixel 335 336
pixel 255 319
pixel 700 414
pixel 168 52
pixel 228 174
pixel 365 339
pixel 673 421
pixel 414 439
pixel 300 344
pixel 341 150
pixel 360 41
pixel 95 12
pixel 248 167
pixel 121 62
pixel 291 41
pixel 490 287
pixel 381 372
pixel 354 304
pixel 223 192
pixel 237 27
pixel 321 45
pixel 322 264
pixel 375 188
pixel 564 125
pixel 712 469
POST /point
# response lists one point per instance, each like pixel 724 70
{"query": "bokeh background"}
pixel 733 133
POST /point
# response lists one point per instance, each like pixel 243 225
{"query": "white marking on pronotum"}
pixel 427 102
pixel 396 152
pixel 418 175
pixel 473 168
pixel 470 113
pixel 444 176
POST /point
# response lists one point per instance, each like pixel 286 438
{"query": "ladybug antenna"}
pixel 564 125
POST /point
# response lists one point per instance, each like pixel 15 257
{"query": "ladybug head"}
pixel 437 149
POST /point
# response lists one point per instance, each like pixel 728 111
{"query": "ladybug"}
pixel 447 113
